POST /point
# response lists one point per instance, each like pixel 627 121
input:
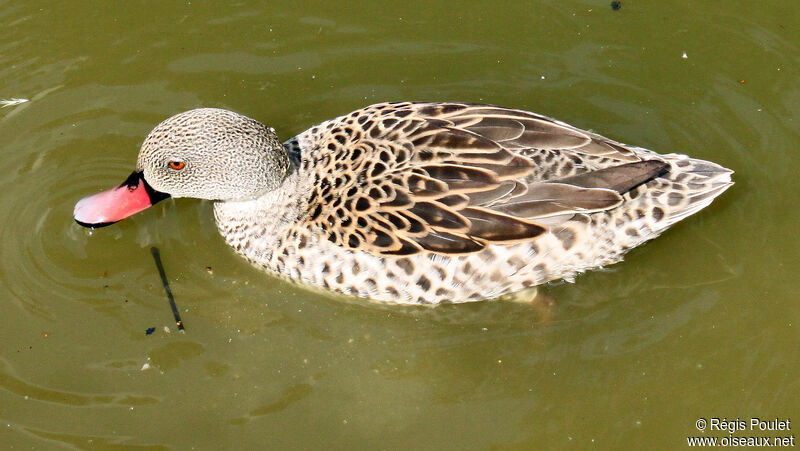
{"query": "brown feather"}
pixel 622 178
pixel 440 217
pixel 492 226
pixel 450 178
pixel 546 199
pixel 447 243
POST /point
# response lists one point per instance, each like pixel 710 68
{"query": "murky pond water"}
pixel 702 322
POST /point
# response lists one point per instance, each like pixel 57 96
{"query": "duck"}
pixel 415 202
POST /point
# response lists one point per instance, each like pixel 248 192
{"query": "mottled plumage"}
pixel 428 203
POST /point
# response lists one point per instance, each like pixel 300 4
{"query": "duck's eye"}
pixel 177 165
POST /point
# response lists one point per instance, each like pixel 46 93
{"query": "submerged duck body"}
pixel 416 203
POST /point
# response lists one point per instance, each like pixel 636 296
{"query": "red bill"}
pixel 108 207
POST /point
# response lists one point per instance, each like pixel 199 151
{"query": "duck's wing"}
pixel 399 179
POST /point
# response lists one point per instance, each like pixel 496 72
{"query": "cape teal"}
pixel 416 203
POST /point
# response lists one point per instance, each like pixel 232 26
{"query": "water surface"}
pixel 701 322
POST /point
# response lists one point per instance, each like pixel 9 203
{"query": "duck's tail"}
pixel 687 187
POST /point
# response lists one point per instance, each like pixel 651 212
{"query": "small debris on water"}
pixel 615 5
pixel 12 102
pixel 209 270
pixel 742 81
pixel 685 56
pixel 150 331
pixel 166 330
pixel 146 366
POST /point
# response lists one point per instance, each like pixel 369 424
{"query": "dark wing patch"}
pixel 622 178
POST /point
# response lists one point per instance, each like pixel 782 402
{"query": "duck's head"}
pixel 206 153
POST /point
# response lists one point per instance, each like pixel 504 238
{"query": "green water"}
pixel 702 322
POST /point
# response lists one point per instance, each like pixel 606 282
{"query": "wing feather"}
pixel 453 178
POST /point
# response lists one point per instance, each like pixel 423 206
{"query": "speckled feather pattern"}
pixel 425 203
pixel 227 156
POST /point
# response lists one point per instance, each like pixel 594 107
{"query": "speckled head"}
pixel 213 154
pixel 207 153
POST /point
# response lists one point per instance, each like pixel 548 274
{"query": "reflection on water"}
pixel 700 322
pixel 15 385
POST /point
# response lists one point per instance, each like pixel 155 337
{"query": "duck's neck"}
pixel 256 227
